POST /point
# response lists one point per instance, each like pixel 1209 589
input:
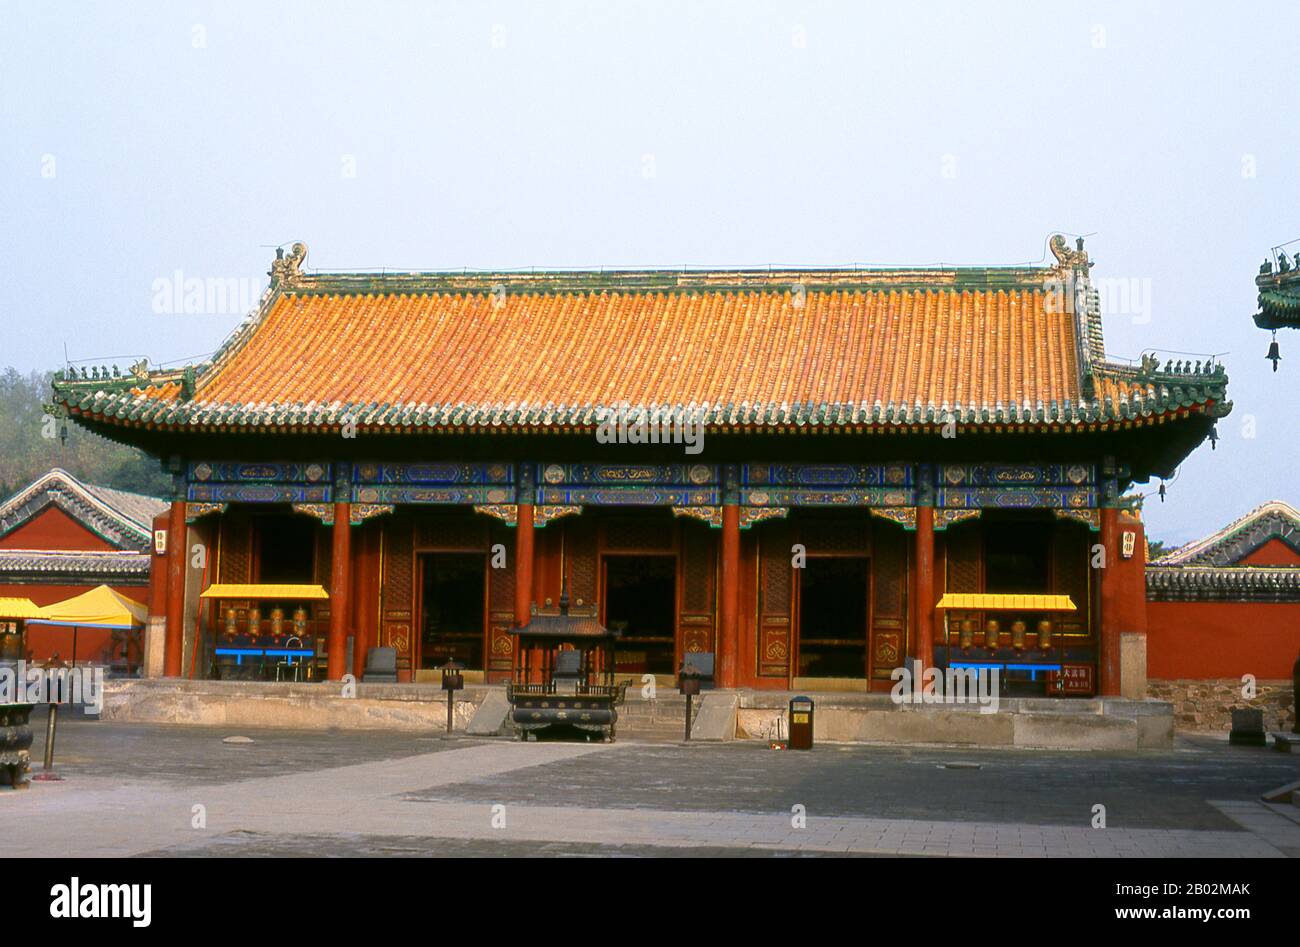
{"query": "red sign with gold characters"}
pixel 1071 679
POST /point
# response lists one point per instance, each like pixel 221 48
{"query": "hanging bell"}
pixel 1214 437
pixel 1274 355
pixel 1162 491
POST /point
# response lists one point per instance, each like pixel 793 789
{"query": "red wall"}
pixel 1272 553
pixel 1202 640
pixel 53 529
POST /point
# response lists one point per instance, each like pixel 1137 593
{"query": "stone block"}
pixel 1247 727
pixel 934 725
pixel 1052 731
pixel 1133 665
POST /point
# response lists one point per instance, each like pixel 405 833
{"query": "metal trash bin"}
pixel 801 723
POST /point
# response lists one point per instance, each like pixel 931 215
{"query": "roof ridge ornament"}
pixel 286 270
pixel 1067 258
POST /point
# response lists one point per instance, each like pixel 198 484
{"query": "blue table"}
pixel 287 653
pixel 1033 669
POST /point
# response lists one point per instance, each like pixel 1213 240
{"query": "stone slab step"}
pixel 490 718
pixel 716 721
pixel 1285 742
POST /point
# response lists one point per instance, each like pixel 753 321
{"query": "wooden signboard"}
pixel 1072 680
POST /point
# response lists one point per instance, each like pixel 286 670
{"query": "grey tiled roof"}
pixel 123 519
pixel 72 566
pixel 1225 584
pixel 1275 519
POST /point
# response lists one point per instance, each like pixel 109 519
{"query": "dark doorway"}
pixel 1017 556
pixel 833 617
pixel 286 549
pixel 640 599
pixel 452 609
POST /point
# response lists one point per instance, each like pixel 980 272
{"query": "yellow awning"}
pixel 11 608
pixel 1007 603
pixel 306 592
pixel 100 607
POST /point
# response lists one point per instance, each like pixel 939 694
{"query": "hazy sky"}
pixel 142 139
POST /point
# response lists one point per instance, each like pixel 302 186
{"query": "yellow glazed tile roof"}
pixel 731 349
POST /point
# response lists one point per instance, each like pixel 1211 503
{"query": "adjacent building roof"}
pixel 732 349
pixel 1279 293
pixel 1233 584
pixel 122 519
pixel 73 567
pixel 1275 519
pixel 1210 569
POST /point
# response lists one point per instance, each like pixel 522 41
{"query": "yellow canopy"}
pixel 100 607
pixel 11 608
pixel 1007 603
pixel 312 592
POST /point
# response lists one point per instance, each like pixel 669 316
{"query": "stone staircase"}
pixel 661 719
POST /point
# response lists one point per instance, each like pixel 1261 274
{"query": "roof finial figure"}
pixel 286 269
pixel 1074 259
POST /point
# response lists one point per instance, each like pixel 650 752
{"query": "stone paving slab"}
pixel 254 845
pixel 501 797
pixel 1140 789
pixel 1267 821
pixel 196 755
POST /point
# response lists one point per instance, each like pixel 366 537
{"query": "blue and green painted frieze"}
pixel 261 482
pixel 877 485
pixel 629 484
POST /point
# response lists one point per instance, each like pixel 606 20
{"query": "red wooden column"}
pixel 1109 627
pixel 925 585
pixel 363 582
pixel 525 524
pixel 729 600
pixel 158 571
pixel 524 565
pixel 923 641
pixel 340 586
pixel 174 640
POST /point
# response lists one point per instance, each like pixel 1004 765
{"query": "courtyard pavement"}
pixel 135 789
